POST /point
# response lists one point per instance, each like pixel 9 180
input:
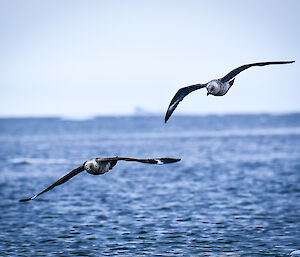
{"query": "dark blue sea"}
pixel 236 191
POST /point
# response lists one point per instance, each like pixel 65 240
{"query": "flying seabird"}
pixel 217 87
pixel 99 166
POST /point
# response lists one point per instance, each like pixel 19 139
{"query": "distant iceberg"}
pixel 138 110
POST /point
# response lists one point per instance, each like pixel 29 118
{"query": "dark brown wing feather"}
pixel 181 93
pixel 150 161
pixel 62 180
pixel 236 71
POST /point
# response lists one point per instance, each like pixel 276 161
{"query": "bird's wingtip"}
pixel 168 114
pixel 166 119
pixel 28 199
pixel 25 200
pixel 167 160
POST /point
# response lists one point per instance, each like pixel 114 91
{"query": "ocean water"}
pixel 236 191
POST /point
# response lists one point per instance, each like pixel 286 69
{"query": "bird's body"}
pixel 216 87
pixel 99 166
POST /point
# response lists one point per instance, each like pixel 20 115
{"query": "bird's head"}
pixel 212 87
pixel 91 165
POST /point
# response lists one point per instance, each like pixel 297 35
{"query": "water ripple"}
pixel 235 192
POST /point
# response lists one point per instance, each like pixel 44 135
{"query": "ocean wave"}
pixel 37 161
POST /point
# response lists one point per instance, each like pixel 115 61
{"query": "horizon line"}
pixel 92 116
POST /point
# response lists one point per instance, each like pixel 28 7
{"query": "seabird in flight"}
pixel 217 87
pixel 99 166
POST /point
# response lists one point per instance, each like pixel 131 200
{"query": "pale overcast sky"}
pixel 109 57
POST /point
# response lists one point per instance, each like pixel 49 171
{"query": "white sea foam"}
pixel 295 253
pixel 37 161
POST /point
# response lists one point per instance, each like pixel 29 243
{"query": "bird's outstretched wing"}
pixel 149 161
pixel 62 180
pixel 181 93
pixel 236 71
